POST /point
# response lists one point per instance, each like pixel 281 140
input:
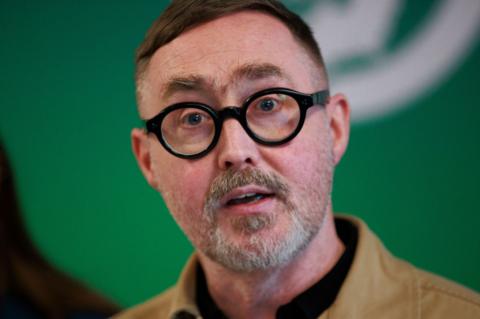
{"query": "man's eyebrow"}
pixel 184 83
pixel 259 71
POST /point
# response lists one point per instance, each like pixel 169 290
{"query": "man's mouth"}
pixel 247 198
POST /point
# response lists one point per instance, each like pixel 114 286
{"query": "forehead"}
pixel 216 50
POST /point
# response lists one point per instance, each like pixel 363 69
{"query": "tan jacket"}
pixel 378 285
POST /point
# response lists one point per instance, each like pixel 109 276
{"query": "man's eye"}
pixel 267 105
pixel 192 119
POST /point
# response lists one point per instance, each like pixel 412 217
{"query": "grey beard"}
pixel 259 253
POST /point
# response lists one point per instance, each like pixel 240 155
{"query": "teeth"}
pixel 245 196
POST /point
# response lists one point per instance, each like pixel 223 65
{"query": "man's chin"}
pixel 255 249
pixel 249 232
pixel 247 226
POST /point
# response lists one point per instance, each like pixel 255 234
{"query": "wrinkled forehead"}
pixel 226 52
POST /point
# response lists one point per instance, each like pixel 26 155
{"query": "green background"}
pixel 67 107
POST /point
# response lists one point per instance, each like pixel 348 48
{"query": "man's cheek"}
pixel 188 197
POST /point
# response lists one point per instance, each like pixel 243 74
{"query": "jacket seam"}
pixel 446 291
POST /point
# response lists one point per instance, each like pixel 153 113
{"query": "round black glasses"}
pixel 270 117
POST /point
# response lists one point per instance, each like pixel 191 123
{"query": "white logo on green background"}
pixel 387 81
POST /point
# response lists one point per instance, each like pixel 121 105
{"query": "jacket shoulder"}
pixel 157 307
pixel 442 298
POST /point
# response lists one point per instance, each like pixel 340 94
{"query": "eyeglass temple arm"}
pixel 321 98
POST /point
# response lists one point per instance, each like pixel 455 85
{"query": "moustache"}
pixel 231 179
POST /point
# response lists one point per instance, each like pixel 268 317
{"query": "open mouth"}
pixel 247 198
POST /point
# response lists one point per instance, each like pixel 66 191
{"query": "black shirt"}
pixel 309 304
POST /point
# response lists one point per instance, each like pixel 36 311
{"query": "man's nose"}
pixel 235 148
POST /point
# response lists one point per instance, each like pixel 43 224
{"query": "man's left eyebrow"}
pixel 259 71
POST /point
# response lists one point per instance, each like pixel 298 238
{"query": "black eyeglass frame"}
pixel 304 101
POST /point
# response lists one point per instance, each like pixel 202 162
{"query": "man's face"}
pixel 244 205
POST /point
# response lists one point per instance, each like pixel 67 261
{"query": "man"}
pixel 242 139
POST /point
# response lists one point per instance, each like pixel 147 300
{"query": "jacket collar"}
pixel 184 294
pixel 378 284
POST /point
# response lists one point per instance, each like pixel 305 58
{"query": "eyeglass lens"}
pixel 273 117
pixel 188 130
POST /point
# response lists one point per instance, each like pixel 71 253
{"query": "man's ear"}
pixel 141 150
pixel 338 111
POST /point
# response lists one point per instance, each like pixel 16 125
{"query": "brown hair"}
pixel 24 273
pixel 182 15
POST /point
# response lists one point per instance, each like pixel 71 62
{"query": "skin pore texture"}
pixel 257 255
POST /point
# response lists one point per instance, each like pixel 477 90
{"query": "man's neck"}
pixel 260 294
